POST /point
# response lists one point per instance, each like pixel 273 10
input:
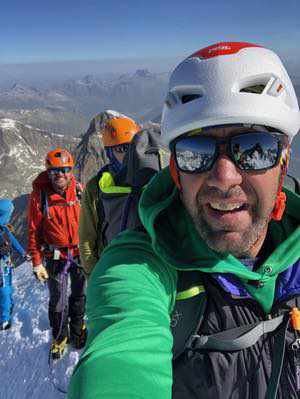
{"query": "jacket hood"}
pixel 42 182
pixel 176 241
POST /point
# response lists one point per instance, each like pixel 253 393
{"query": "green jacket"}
pixel 132 293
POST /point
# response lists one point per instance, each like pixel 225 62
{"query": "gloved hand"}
pixel 40 273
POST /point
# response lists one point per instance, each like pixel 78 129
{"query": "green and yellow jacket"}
pixel 90 242
pixel 132 292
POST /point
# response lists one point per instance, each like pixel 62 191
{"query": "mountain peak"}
pixel 143 73
pixel 18 89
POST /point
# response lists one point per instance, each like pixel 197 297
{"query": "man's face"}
pixel 60 178
pixel 119 155
pixel 230 207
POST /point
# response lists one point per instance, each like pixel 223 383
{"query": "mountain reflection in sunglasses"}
pixel 248 151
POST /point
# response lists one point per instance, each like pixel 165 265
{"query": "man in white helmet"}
pixel 203 302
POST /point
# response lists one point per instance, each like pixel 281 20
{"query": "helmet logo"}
pixel 220 48
pixel 223 48
pixel 112 131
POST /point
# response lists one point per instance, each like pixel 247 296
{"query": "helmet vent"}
pixel 189 97
pixel 256 89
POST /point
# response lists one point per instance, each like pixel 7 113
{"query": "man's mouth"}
pixel 228 206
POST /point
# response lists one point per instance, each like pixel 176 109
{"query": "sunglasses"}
pixel 55 171
pixel 248 151
pixel 121 149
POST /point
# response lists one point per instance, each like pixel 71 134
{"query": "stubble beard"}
pixel 216 239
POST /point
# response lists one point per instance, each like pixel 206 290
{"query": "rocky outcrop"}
pixel 90 155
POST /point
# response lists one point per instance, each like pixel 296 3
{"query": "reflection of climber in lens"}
pixel 237 151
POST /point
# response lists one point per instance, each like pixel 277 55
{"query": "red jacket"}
pixel 57 226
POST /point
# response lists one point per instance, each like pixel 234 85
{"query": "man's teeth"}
pixel 225 207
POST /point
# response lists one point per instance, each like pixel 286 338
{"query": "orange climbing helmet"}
pixel 119 131
pixel 59 158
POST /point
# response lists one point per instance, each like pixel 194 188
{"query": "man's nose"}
pixel 224 174
pixel 60 173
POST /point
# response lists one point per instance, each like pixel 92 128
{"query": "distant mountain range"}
pixel 67 106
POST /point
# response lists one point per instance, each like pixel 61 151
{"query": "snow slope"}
pixel 24 370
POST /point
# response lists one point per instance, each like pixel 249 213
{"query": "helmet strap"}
pixel 280 203
pixel 174 173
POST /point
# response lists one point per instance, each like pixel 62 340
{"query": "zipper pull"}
pixel 295 319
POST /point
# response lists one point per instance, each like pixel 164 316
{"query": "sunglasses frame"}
pixel 280 138
pixel 121 148
pixel 62 170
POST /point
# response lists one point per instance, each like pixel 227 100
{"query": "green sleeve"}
pixel 129 349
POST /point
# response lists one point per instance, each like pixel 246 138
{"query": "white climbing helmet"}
pixel 229 83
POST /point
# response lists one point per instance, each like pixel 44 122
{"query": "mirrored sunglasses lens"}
pixel 121 149
pixel 60 170
pixel 255 151
pixel 195 153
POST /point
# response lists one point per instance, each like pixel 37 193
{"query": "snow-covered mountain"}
pixel 24 368
pixel 22 153
pixel 20 96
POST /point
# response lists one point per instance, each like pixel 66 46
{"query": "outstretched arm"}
pixel 129 349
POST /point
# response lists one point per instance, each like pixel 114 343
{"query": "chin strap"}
pixel 280 203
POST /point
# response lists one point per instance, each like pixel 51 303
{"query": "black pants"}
pixel 64 308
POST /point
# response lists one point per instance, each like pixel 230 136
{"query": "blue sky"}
pixel 33 30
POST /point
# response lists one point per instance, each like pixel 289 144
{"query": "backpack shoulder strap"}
pixel 79 189
pixel 44 202
pixel 189 309
pixel 5 234
pixel 10 228
pixel 99 205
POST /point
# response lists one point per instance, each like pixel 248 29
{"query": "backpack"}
pixel 118 194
